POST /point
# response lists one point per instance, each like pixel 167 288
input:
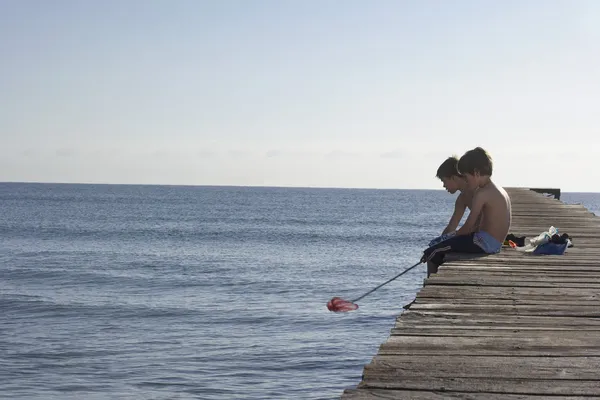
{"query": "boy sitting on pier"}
pixel 453 181
pixel 489 220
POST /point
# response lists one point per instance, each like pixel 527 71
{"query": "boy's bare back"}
pixel 496 210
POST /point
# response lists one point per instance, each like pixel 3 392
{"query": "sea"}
pixel 183 292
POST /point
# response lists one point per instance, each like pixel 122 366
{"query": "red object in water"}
pixel 337 304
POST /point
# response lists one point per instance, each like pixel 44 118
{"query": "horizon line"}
pixel 207 185
pixel 245 186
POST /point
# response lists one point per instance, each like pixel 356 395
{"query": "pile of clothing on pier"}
pixel 546 243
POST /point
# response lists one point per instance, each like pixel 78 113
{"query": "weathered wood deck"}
pixel 507 326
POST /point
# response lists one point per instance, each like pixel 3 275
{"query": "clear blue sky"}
pixel 329 93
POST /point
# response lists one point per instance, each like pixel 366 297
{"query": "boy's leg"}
pixel 434 255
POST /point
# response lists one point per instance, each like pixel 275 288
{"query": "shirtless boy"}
pixel 489 220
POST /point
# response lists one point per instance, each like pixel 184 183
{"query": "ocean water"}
pixel 165 292
pixel 590 200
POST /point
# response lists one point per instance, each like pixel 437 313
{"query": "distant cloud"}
pixel 273 153
pixel 441 155
pixel 290 153
pixel 105 152
pixel 205 153
pixel 303 154
pixel 238 153
pixel 179 153
pixel 393 154
pixel 65 152
pixel 161 153
pixel 342 154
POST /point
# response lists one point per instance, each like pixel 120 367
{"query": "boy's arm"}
pixel 469 226
pixel 459 211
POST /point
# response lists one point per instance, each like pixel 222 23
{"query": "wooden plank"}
pixel 493 331
pixel 566 261
pixel 549 215
pixel 521 302
pixel 534 263
pixel 531 230
pixel 534 271
pixel 540 224
pixel 516 279
pixel 515 259
pixel 503 367
pixel 510 281
pixel 515 274
pixel 561 222
pixel 508 269
pixel 462 292
pixel 394 394
pixel 432 318
pixel 564 208
pixel 562 215
pixel 492 346
pixel 525 385
pixel 556 310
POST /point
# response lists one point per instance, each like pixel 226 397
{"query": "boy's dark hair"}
pixel 448 168
pixel 476 160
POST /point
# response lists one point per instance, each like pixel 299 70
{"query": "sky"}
pixel 310 93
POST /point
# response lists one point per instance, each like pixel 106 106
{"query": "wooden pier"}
pixel 506 326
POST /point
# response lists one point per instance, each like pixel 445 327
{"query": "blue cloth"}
pixel 487 242
pixel 441 238
pixel 551 248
